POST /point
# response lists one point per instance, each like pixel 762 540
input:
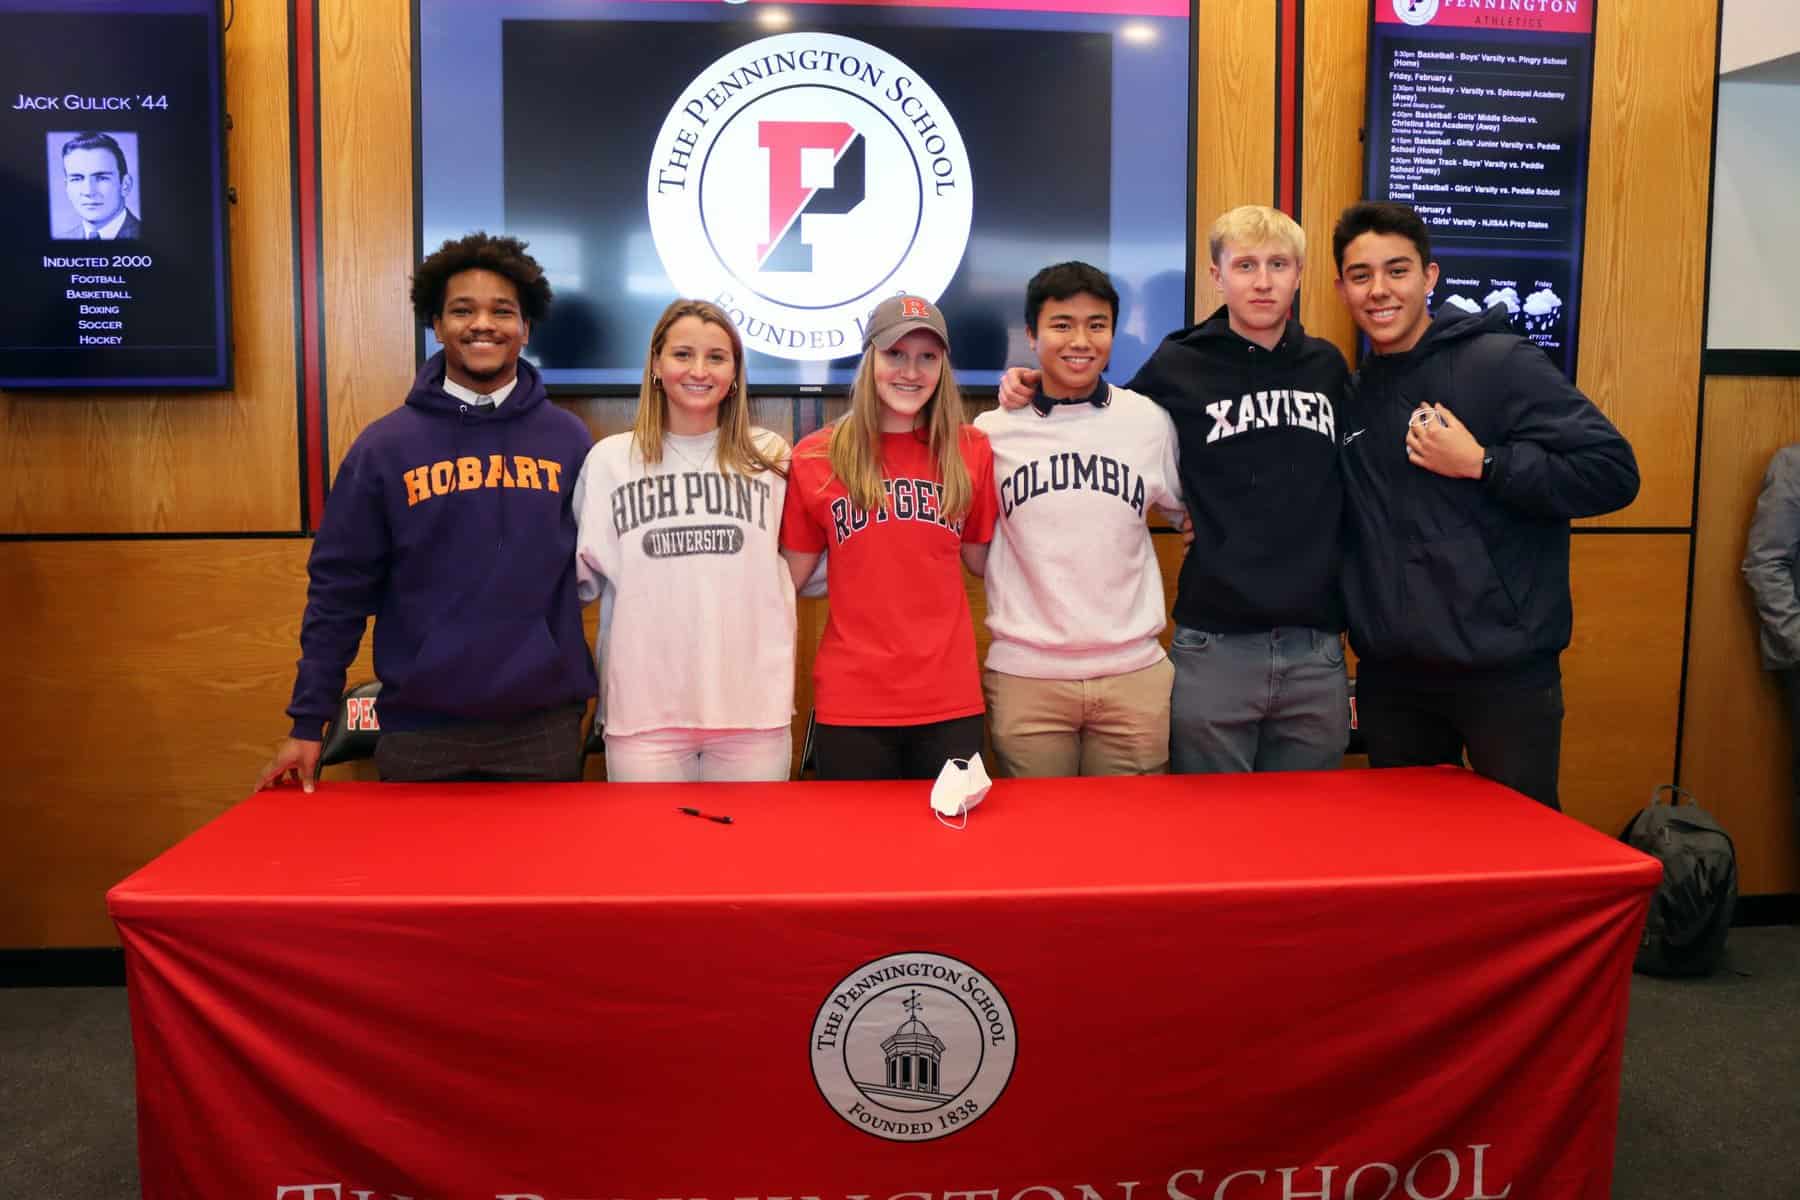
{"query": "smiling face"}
pixel 1258 283
pixel 906 378
pixel 697 368
pixel 482 329
pixel 96 184
pixel 1073 341
pixel 1384 285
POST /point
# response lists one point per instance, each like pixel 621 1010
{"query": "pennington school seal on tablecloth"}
pixel 912 1047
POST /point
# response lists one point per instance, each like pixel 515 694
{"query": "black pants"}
pixel 894 751
pixel 1513 735
pixel 541 747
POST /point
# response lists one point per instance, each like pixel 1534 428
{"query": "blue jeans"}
pixel 1276 700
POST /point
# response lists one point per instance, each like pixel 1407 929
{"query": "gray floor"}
pixel 68 1114
pixel 1710 1104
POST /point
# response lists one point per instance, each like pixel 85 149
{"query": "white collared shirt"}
pixel 110 230
pixel 471 396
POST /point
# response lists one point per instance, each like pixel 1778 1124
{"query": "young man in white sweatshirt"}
pixel 1076 680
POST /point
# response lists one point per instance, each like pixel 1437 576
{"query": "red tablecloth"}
pixel 1349 985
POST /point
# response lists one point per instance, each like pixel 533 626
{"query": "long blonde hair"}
pixel 855 447
pixel 737 450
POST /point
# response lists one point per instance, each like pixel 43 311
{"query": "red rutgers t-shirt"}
pixel 899 645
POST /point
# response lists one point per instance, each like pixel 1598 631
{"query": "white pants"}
pixel 700 756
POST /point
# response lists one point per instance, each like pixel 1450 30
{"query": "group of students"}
pixel 1424 505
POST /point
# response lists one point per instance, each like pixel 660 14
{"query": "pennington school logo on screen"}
pixel 1416 12
pixel 912 1047
pixel 799 180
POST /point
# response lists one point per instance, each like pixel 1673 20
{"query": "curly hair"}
pixel 480 252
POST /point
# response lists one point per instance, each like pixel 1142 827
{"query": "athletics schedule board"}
pixel 1478 118
pixel 112 195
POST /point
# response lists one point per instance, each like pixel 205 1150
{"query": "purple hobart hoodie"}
pixel 451 525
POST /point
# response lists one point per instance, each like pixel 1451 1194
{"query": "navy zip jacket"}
pixel 1448 578
pixel 1258 431
pixel 451 524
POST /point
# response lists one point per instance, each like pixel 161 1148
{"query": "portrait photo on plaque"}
pixel 93 185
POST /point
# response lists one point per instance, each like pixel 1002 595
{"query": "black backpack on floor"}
pixel 1690 914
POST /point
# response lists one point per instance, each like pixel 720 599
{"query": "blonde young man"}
pixel 1257 405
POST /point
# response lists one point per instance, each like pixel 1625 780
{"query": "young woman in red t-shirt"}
pixel 901 493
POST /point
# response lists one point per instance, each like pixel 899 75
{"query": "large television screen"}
pixel 797 162
pixel 112 195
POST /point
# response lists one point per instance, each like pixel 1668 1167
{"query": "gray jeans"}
pixel 1271 701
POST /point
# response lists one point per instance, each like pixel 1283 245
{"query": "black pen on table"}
pixel 694 812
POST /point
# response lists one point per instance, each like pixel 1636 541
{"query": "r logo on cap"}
pixel 898 316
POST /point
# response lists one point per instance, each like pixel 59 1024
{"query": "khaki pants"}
pixel 1115 725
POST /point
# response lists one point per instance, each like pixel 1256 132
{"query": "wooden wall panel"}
pixel 1644 267
pixel 1736 747
pixel 1337 38
pixel 1622 673
pixel 144 698
pixel 201 461
pixel 1234 136
pixel 365 102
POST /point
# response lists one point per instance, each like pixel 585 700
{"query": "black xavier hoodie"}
pixel 1259 434
pixel 1446 578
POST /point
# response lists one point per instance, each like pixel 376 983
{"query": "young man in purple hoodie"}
pixel 450 523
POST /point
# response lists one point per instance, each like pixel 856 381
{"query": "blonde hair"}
pixel 855 443
pixel 1251 225
pixel 737 450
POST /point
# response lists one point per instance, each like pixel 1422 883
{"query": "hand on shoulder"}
pixel 1018 385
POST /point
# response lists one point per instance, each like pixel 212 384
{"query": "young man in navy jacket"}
pixel 450 523
pixel 1471 453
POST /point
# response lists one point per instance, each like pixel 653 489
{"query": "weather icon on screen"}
pixel 1543 309
pixel 1507 296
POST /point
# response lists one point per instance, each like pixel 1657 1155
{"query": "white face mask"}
pixel 960 786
